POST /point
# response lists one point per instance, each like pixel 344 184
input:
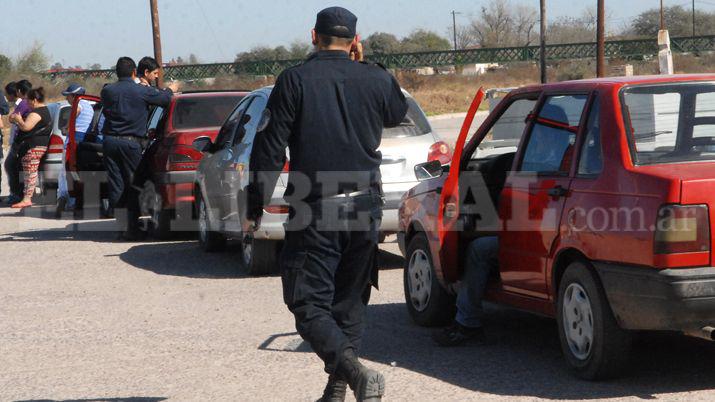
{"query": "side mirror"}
pixel 202 144
pixel 428 170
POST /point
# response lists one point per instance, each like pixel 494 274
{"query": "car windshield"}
pixel 670 123
pixel 200 112
pixel 415 123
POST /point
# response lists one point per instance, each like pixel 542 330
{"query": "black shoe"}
pixel 335 390
pixel 457 335
pixel 368 385
pixel 61 206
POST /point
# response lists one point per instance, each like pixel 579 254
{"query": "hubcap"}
pixel 419 279
pixel 578 321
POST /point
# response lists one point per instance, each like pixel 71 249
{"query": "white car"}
pixel 51 163
pixel 222 177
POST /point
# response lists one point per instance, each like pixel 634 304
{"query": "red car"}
pixel 601 193
pixel 169 163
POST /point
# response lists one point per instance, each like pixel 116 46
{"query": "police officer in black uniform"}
pixel 126 110
pixel 330 111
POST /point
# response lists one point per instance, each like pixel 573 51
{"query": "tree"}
pixel 494 26
pixel 56 66
pixel 193 59
pixel 95 66
pixel 423 40
pixel 33 60
pixel 573 30
pixel 299 50
pixel 678 20
pixel 381 43
pixel 5 66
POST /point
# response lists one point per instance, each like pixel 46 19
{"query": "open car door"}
pixel 448 217
pixel 71 159
pixel 84 159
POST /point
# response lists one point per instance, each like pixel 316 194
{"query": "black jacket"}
pixel 126 106
pixel 330 112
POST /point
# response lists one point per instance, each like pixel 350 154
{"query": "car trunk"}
pixel 697 185
pixel 401 154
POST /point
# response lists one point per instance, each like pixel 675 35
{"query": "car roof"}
pixel 211 93
pixel 616 82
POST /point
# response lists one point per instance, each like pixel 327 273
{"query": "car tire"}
pixel 209 240
pixel 428 303
pixel 594 346
pixel 260 257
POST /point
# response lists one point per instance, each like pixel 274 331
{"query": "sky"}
pixel 82 32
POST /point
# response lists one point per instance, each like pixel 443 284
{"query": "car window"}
pixel 64 119
pixel 414 124
pixel 155 118
pixel 204 111
pixel 550 146
pixel 591 161
pixel 246 131
pixel 228 130
pixel 505 134
pixel 671 122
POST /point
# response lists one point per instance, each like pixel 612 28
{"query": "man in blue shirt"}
pixel 126 110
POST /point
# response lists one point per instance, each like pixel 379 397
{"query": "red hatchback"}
pixel 602 195
pixel 169 163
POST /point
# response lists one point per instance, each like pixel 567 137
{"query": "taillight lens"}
pixel 440 151
pixel 277 209
pixel 183 158
pixel 286 166
pixel 682 229
pixel 56 145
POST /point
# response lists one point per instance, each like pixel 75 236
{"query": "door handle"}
pixel 558 192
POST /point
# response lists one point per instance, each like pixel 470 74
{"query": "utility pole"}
pixel 156 33
pixel 542 39
pixel 601 39
pixel 693 18
pixel 662 16
pixel 454 27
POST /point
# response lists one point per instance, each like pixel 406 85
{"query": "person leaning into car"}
pixel 126 110
pixel 330 112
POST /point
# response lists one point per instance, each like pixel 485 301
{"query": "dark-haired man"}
pixel 126 110
pixel 330 112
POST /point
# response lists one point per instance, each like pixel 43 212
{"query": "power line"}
pixel 211 28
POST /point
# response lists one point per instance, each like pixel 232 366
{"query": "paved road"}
pixel 448 126
pixel 85 318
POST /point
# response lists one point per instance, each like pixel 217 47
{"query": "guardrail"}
pixel 614 49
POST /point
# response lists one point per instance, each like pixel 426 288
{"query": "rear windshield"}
pixel 203 112
pixel 670 123
pixel 415 123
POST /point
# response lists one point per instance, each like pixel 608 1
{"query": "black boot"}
pixel 368 385
pixel 335 390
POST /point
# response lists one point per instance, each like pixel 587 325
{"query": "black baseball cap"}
pixel 336 21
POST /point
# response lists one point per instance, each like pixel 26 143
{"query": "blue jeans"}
pixel 482 260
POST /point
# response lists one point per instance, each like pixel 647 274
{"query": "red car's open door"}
pixel 71 153
pixel 449 200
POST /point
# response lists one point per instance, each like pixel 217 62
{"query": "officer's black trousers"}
pixel 328 266
pixel 121 158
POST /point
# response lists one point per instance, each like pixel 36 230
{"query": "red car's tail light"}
pixel 277 209
pixel 682 229
pixel 183 158
pixel 56 145
pixel 286 166
pixel 440 151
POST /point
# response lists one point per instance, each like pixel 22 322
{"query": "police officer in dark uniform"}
pixel 330 111
pixel 126 110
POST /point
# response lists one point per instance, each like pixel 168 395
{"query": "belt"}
pixel 138 140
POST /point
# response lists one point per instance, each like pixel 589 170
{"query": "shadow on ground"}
pixel 524 358
pixel 130 399
pixel 98 231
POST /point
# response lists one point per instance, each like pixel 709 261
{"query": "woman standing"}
pixel 32 139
